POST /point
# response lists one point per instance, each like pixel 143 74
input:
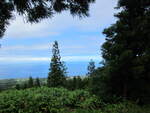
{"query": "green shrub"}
pixel 126 107
pixel 60 100
pixel 45 100
pixel 87 111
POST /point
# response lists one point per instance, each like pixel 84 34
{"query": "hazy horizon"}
pixel 40 69
pixel 79 41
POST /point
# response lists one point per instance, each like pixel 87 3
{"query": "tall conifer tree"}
pixel 56 76
pixel 37 82
pixel 30 82
pixel 91 67
pixel 127 50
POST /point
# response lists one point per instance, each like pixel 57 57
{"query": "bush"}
pixel 126 107
pixel 45 100
pixel 60 100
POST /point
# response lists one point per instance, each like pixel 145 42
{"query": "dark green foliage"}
pixel 17 86
pixel 74 81
pixel 125 107
pixel 77 82
pixel 87 111
pixel 98 82
pixel 59 100
pixel 24 86
pixel 71 83
pixel 85 83
pixel 30 82
pixel 91 68
pixel 127 51
pixel 37 82
pixel 57 74
pixel 36 10
pixel 6 14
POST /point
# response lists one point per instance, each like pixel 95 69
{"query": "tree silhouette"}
pixel 126 50
pixel 30 82
pixel 37 82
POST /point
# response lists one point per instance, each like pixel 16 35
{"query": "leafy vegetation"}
pixel 120 85
pixel 47 100
pixel 60 100
pixel 126 55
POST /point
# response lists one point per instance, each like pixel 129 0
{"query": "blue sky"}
pixel 79 39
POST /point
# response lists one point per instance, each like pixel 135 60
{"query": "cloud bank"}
pixel 41 59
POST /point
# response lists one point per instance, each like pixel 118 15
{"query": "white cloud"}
pixel 90 46
pixel 81 58
pixel 26 47
pixel 64 58
pixel 20 29
pixel 101 15
pixel 23 59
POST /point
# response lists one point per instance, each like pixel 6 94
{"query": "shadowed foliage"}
pixel 126 51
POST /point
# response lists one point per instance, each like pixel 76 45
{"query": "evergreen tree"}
pixel 57 74
pixel 127 51
pixel 74 83
pixel 90 74
pixel 37 82
pixel 17 86
pixel 36 10
pixel 30 82
pixel 98 84
pixel 86 83
pixel 91 67
pixel 79 84
pixel 69 84
pixel 25 85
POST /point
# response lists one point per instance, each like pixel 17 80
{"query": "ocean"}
pixel 39 69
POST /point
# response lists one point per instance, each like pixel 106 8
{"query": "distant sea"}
pixel 39 69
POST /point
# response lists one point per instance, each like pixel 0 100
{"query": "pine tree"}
pixel 57 74
pixel 37 82
pixel 25 85
pixel 74 83
pixel 30 82
pixel 17 86
pixel 79 84
pixel 91 67
pixel 127 50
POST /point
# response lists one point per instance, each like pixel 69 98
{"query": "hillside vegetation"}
pixel 46 100
pixel 60 100
pixel 120 85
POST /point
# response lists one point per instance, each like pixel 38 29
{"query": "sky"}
pixel 79 39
